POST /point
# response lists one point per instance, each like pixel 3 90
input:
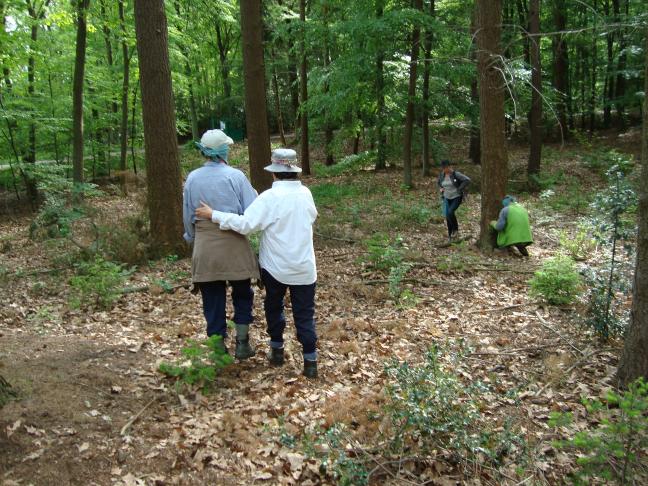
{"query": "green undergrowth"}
pixel 202 362
pixel 426 412
pixel 614 449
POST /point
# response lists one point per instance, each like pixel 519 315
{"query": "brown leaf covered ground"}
pixel 82 376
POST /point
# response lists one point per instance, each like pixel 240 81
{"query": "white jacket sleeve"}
pixel 257 217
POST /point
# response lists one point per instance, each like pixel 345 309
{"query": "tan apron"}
pixel 221 255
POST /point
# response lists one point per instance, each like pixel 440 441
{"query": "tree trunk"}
pixel 124 94
pixel 561 66
pixel 223 43
pixel 594 57
pixel 303 85
pixel 634 360
pixel 535 115
pixel 381 138
pixel 158 114
pixel 608 90
pixel 77 91
pixel 409 113
pixel 620 85
pixel 277 102
pixel 427 49
pixel 491 104
pixel 255 94
pixel 293 82
pixel 474 149
pixel 114 107
pixel 328 128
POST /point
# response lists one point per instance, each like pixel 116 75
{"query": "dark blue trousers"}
pixel 214 297
pixel 451 207
pixel 302 298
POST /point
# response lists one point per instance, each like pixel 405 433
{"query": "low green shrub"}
pixel 578 245
pixel 97 283
pixel 616 450
pixel 203 361
pixel 349 164
pixel 558 282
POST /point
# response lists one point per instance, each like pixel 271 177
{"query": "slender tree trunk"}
pixel 491 104
pixel 223 43
pixel 474 150
pixel 134 124
pixel 620 85
pixel 409 113
pixel 381 137
pixel 427 49
pixel 608 90
pixel 303 84
pixel 160 142
pixel 277 101
pixel 193 114
pixel 561 65
pixel 124 94
pixel 255 94
pixel 77 91
pixel 594 59
pixel 535 115
pixel 114 107
pixel 328 129
pixel 293 82
pixel 634 360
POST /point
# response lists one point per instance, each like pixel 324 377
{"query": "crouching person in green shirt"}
pixel 512 226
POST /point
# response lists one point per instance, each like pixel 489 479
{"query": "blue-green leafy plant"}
pixel 611 228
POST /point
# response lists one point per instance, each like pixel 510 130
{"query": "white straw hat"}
pixel 283 160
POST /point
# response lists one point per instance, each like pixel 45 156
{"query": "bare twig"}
pixel 128 424
pixel 512 352
pixel 329 237
pixel 497 309
pixel 546 325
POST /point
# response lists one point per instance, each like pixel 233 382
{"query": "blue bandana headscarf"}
pixel 507 200
pixel 219 153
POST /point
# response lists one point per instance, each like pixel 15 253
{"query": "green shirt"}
pixel 517 229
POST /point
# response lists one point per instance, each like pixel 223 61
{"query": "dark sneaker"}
pixel 243 349
pixel 522 249
pixel 276 356
pixel 310 368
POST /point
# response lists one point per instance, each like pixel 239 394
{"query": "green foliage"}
pixel 614 451
pixel 97 283
pixel 6 392
pixel 558 282
pixel 59 210
pixel 613 277
pixel 333 194
pixel 203 361
pixel 384 253
pixel 428 409
pixel 578 245
pixel 348 165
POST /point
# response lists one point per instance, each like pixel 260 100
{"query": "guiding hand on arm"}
pixel 204 212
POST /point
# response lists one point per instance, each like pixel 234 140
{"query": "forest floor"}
pixel 91 407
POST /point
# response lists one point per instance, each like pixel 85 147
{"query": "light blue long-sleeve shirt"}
pixel 222 187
